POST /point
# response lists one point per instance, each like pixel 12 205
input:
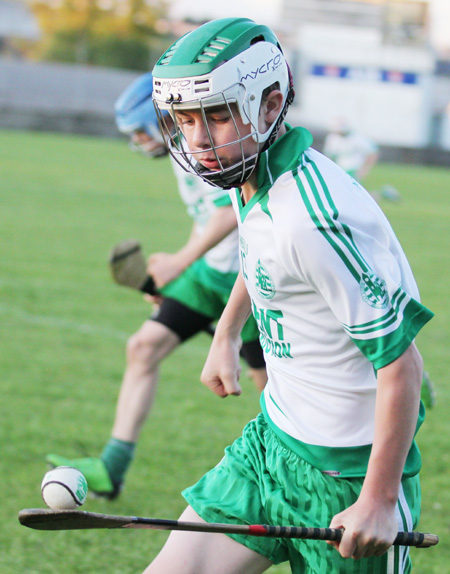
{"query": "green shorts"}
pixel 260 481
pixel 206 290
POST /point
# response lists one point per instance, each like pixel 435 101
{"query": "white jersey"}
pixel 349 151
pixel 201 201
pixel 332 293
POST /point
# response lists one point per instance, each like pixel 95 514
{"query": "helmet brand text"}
pixel 172 84
pixel 269 66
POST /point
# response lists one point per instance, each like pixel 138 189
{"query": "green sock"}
pixel 117 456
pixel 427 392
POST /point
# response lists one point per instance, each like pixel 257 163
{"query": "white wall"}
pixel 383 91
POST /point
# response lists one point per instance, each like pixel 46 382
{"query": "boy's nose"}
pixel 200 137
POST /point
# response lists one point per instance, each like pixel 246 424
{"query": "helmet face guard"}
pixel 224 62
pixel 226 176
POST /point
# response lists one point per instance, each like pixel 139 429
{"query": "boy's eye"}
pixel 211 119
pixel 219 119
pixel 184 121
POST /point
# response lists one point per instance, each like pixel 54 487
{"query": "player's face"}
pixel 142 142
pixel 223 130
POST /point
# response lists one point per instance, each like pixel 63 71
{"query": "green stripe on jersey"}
pixel 381 322
pixel 383 350
pixel 322 208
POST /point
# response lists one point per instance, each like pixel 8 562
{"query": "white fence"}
pixel 58 97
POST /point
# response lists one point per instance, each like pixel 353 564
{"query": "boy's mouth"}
pixel 210 163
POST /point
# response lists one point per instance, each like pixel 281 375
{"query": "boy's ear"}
pixel 271 107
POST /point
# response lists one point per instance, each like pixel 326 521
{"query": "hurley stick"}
pixel 46 519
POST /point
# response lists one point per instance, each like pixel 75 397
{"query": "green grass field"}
pixel 64 202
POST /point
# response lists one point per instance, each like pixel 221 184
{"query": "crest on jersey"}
pixel 264 282
pixel 373 290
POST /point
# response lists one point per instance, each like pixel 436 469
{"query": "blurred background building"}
pixel 16 23
pixel 383 65
pixel 371 63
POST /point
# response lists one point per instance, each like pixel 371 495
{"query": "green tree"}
pixel 115 33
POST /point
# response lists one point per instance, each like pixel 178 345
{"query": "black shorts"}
pixel 186 323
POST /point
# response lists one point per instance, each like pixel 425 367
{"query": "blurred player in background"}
pixel 357 154
pixel 193 287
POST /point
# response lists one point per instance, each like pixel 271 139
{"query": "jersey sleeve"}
pixel 221 198
pixel 359 268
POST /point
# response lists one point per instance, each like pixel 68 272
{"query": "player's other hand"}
pixel 222 368
pixel 369 529
pixel 154 300
pixel 164 267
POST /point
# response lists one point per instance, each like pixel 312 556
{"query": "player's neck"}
pixel 249 189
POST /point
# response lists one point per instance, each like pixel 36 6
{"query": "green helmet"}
pixel 223 62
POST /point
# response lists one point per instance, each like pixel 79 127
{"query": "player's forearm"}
pixel 367 167
pixel 398 399
pixel 370 524
pixel 236 312
pixel 222 368
pixel 221 224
